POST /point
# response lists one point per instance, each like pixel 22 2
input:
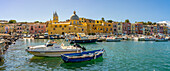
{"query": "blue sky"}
pixel 116 10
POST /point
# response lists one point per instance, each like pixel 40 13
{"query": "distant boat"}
pixel 141 39
pixel 84 56
pixel 161 40
pixel 101 39
pixel 111 39
pixel 149 39
pixel 82 38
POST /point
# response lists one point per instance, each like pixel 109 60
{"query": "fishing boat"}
pixel 149 39
pixel 113 39
pixel 51 49
pixel 82 38
pixel 161 40
pixel 141 39
pixel 83 56
pixel 101 39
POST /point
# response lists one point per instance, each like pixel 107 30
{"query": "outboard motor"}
pixel 83 48
pixel 77 45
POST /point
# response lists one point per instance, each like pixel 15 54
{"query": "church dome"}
pixel 74 17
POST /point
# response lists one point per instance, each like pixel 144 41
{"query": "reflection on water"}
pixel 81 64
pixel 1 63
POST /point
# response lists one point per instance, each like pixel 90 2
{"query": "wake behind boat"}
pixel 54 50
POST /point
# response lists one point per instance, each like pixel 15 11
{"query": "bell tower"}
pixel 55 17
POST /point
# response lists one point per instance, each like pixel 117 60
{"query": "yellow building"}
pixel 72 26
pixel 165 29
pixel 2 28
pixel 133 28
pixel 78 25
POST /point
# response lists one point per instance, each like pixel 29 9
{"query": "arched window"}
pixel 74 22
pixel 77 22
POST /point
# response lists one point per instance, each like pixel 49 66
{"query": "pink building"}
pixel 19 29
pixel 140 28
pixel 37 28
pixel 126 28
pixel 161 29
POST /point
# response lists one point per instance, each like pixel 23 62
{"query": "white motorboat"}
pixel 54 50
pixel 111 39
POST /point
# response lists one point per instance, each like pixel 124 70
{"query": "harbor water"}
pixel 120 56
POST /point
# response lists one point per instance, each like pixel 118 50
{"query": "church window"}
pixel 74 28
pixel 82 29
pixel 55 26
pixel 74 22
pixel 109 25
pixel 77 22
pixel 62 28
pixel 64 25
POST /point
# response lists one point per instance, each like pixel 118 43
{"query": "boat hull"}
pixel 51 53
pixel 83 41
pixel 112 40
pixel 81 56
pixel 161 40
pixel 79 59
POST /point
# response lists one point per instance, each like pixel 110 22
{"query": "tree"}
pixel 154 23
pixel 127 21
pixel 36 22
pixel 110 21
pixel 149 23
pixel 12 21
pixel 103 19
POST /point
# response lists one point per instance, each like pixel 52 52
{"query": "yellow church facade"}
pixel 78 25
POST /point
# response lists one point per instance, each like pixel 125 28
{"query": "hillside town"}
pixel 82 25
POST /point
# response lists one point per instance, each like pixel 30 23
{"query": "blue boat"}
pixel 83 56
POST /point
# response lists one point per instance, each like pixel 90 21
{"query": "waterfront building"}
pixel 2 28
pixel 133 28
pixel 79 25
pixel 140 28
pixel 71 26
pixel 115 28
pixel 19 28
pixel 126 28
pixel 169 30
pixel 119 28
pixel 165 29
pixel 159 29
pixel 35 28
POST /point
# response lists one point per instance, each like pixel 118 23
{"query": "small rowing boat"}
pixel 83 56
